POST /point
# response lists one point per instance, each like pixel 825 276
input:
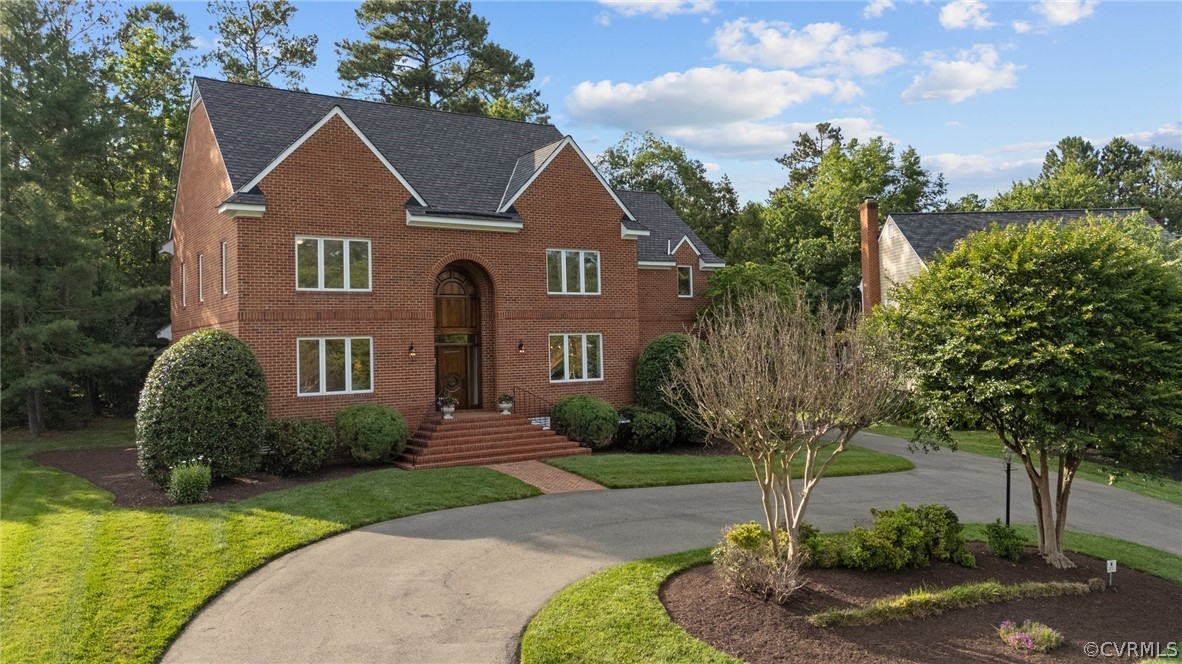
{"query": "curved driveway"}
pixel 460 585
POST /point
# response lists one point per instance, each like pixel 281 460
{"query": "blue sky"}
pixel 981 89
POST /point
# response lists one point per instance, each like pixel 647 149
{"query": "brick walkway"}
pixel 547 478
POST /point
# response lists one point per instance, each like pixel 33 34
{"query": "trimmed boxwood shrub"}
pixel 296 446
pixel 647 431
pixel 204 397
pixel 657 365
pixel 189 483
pixel 1004 541
pixel 585 419
pixel 902 537
pixel 371 431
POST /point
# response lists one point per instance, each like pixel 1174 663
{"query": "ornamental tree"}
pixel 1064 339
pixel 784 382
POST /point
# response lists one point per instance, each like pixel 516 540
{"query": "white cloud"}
pixel 603 18
pixel 1021 27
pixel 961 165
pixel 1168 135
pixel 826 48
pixel 953 123
pixel 875 8
pixel 659 8
pixel 961 14
pixel 700 96
pixel 1066 12
pixel 976 71
pixel 711 167
pixel 761 140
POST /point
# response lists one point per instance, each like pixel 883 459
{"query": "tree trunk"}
pixel 35 406
pixel 1051 511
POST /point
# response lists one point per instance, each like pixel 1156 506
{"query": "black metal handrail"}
pixel 530 405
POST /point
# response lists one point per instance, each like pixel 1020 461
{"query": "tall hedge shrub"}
pixel 655 368
pixel 204 397
pixel 585 419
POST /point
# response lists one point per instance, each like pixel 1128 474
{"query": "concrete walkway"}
pixel 460 585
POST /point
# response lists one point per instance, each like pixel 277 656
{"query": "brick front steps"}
pixel 479 438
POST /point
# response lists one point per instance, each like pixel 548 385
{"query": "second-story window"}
pixel 326 263
pixel 685 281
pixel 200 277
pixel 572 272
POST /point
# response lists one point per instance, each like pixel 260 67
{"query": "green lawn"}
pixel 616 615
pixel 83 580
pixel 987 444
pixel 623 471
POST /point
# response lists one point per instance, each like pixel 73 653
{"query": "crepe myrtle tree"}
pixel 784 382
pixel 1064 339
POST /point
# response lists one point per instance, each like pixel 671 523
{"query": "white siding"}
pixel 898 260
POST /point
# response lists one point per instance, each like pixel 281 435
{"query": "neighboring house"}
pixel 909 242
pixel 374 253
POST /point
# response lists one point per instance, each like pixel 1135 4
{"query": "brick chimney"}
pixel 871 270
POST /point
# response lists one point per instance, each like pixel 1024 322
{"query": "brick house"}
pixel 376 253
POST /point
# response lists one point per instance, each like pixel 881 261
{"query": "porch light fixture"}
pixel 521 347
pixel 411 351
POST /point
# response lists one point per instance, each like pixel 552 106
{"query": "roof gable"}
pixel 552 151
pixel 336 112
pixel 455 162
pixel 930 233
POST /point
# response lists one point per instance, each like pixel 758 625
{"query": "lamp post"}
pixel 1008 455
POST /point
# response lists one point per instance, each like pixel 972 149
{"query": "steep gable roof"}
pixel 931 233
pixel 455 162
pixel 667 230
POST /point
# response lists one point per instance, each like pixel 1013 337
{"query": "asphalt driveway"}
pixel 460 585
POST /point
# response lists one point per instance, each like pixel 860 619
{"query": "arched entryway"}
pixel 458 338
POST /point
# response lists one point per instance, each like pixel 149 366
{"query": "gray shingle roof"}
pixel 455 162
pixel 934 232
pixel 666 228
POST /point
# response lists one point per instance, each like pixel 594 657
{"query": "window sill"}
pixel 332 394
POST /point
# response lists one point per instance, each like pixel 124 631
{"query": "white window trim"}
pixel 324 366
pixel 566 353
pixel 690 269
pixel 320 263
pixel 200 277
pixel 184 284
pixel 225 285
pixel 581 291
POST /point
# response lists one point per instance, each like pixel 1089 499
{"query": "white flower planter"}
pixel 447 411
pixel 505 408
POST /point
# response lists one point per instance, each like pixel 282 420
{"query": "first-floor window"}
pixel 685 281
pixel 576 357
pixel 200 277
pixel 184 284
pixel 225 286
pixel 335 365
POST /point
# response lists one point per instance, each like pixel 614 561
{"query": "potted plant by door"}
pixel 447 404
pixel 505 403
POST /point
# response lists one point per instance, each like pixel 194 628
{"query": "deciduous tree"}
pixel 1065 340
pixel 784 383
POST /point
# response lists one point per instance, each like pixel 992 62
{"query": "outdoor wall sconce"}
pixel 411 351
pixel 521 347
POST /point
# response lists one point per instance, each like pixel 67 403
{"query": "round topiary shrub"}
pixel 204 397
pixel 588 420
pixel 655 368
pixel 296 446
pixel 371 431
pixel 651 431
pixel 189 483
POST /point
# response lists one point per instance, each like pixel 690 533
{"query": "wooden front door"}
pixel 457 337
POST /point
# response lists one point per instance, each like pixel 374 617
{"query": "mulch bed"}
pixel 114 469
pixel 1140 608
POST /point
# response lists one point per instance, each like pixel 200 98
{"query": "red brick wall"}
pixel 660 310
pixel 334 186
pixel 198 230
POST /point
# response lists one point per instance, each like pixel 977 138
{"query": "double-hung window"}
pixel 200 277
pixel 576 357
pixel 225 284
pixel 334 365
pixel 326 263
pixel 572 272
pixel 184 286
pixel 685 281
